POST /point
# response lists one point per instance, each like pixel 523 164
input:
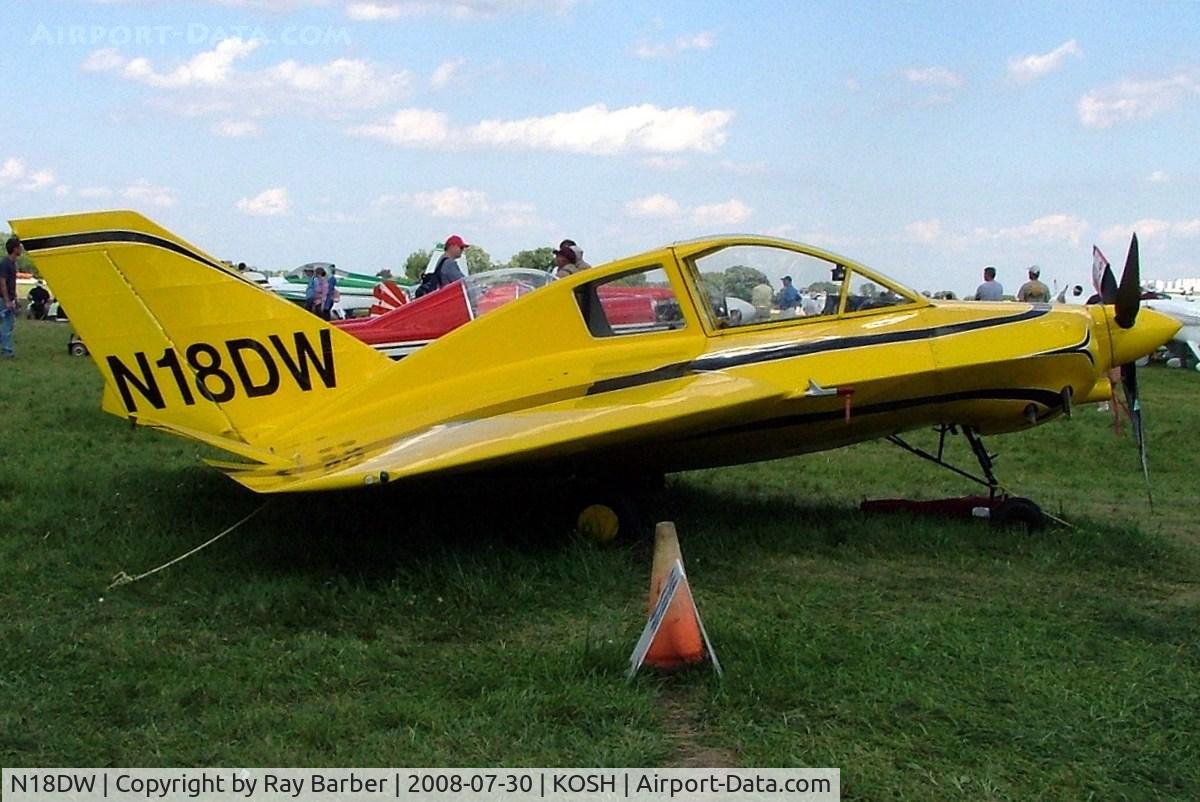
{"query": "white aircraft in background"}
pixel 1185 310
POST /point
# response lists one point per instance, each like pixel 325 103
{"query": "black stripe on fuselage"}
pixel 101 237
pixel 770 353
pixel 1046 398
pixel 1081 348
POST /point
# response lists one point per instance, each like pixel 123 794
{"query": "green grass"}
pixel 926 658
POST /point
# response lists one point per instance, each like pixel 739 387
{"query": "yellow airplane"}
pixel 634 368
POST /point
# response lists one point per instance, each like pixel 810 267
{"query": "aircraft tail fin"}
pixel 184 342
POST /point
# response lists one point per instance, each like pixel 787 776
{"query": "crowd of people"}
pixel 1032 291
pixel 568 259
pixel 321 293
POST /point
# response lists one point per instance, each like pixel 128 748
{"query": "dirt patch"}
pixel 686 732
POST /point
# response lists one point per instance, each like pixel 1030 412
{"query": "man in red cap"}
pixel 447 270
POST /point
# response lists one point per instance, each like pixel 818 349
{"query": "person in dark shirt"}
pixel 446 271
pixel 8 296
pixel 789 296
pixel 39 301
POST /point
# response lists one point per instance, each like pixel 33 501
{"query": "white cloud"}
pixel 235 128
pixel 369 12
pixel 445 73
pixel 94 192
pixel 142 191
pixel 268 203
pixel 697 41
pixel 597 130
pixel 660 206
pixel 409 127
pixel 341 83
pixel 332 218
pixel 514 214
pixel 1158 177
pixel 745 168
pixel 211 82
pixel 933 76
pixel 40 180
pixel 104 60
pixel 451 202
pixel 456 203
pixel 593 129
pixel 376 10
pixel 265 5
pixel 653 206
pixel 1136 100
pixel 1051 227
pixel 11 171
pixel 928 87
pixel 665 163
pixel 731 213
pixel 924 231
pixel 210 68
pixel 1154 231
pixel 1025 69
pixel 14 174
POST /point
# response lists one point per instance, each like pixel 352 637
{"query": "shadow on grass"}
pixel 454 525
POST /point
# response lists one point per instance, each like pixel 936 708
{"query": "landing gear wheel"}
pixel 599 523
pixel 1014 512
pixel 77 349
pixel 605 515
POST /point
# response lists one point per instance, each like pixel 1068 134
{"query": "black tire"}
pixel 1019 512
pixel 77 349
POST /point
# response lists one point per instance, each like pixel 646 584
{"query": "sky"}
pixel 925 140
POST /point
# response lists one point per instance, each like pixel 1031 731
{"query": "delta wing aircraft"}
pixel 548 381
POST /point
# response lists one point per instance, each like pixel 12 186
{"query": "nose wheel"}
pixel 1003 510
pixel 1014 512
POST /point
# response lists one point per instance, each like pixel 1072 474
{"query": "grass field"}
pixel 927 659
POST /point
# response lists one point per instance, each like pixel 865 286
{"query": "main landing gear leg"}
pixel 1004 510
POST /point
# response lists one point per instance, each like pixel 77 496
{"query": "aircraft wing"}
pixel 565 429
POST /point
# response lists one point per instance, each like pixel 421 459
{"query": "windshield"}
pixel 495 288
pixel 752 283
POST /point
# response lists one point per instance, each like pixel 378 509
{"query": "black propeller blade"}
pixel 1127 299
pixel 1129 294
pixel 1134 405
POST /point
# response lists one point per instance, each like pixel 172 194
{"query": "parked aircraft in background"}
pixel 1187 312
pixel 356 290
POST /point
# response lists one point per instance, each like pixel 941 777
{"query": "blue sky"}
pixel 924 139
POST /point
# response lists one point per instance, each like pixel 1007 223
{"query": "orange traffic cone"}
pixel 674 635
pixel 678 641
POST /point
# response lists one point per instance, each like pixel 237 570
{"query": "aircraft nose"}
pixel 1151 330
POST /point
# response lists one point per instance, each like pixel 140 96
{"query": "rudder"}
pixel 184 342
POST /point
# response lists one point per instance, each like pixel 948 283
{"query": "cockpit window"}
pixel 751 284
pixel 637 302
pixel 866 293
